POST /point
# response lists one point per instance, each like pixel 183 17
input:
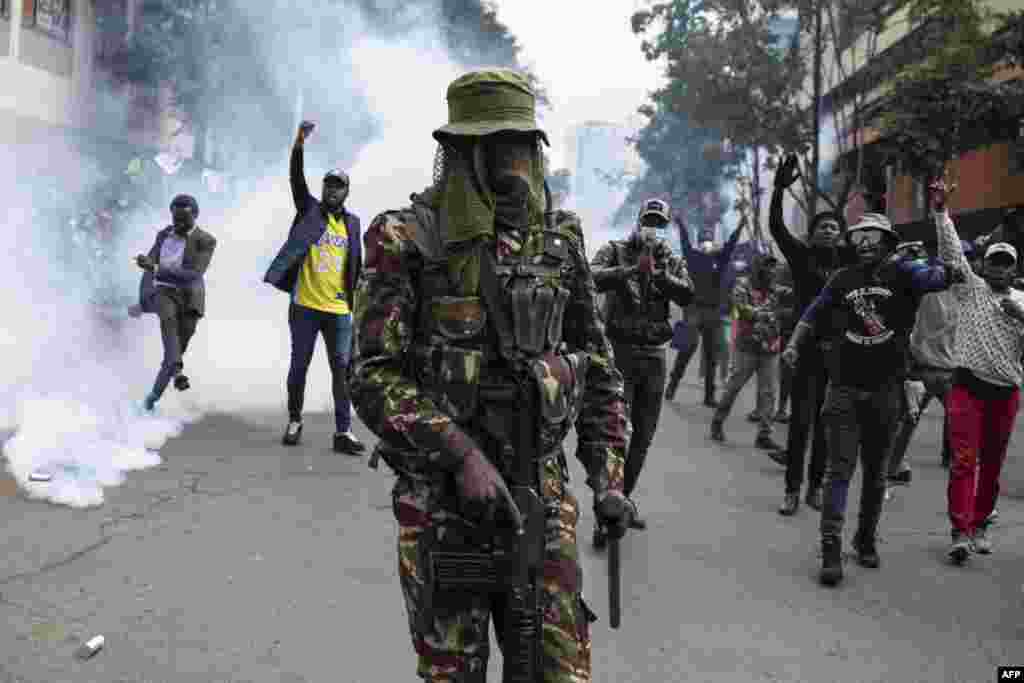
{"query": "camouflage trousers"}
pixel 451 637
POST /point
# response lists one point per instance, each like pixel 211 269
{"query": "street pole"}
pixel 816 151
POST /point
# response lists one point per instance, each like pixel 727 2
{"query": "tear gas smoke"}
pixel 74 383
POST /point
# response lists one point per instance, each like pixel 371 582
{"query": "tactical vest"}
pixel 472 359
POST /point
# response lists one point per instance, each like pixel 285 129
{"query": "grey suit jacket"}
pixel 188 277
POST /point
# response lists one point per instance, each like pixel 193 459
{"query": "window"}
pixel 52 17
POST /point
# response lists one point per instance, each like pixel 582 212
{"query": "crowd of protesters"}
pixel 870 329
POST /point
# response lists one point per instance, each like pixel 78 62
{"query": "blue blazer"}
pixel 307 229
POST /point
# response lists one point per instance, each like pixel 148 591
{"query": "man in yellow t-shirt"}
pixel 319 266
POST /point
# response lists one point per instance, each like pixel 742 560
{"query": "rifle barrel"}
pixel 614 583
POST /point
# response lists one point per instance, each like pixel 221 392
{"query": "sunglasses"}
pixel 865 238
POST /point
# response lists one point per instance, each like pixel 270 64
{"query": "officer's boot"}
pixel 831 560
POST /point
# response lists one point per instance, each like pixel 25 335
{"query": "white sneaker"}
pixel 980 542
pixel 960 548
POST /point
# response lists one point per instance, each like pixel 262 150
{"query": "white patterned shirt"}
pixel 989 342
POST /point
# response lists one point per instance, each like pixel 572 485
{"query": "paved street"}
pixel 239 560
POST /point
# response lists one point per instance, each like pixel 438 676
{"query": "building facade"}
pixel 990 179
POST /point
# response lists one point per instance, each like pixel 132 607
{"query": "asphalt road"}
pixel 240 560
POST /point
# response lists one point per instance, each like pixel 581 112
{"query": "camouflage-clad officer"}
pixel 474 297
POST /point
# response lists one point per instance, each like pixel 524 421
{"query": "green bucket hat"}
pixel 489 101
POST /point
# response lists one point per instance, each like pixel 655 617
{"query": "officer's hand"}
pixel 790 356
pixel 614 513
pixel 646 264
pixel 482 487
pixel 788 172
pixel 135 311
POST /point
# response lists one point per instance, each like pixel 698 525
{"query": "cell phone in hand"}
pixel 307 127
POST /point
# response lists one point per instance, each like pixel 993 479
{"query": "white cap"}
pixel 1001 248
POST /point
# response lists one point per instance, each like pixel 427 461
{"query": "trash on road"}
pixel 90 648
pixel 40 475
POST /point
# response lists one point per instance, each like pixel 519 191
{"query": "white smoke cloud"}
pixel 73 386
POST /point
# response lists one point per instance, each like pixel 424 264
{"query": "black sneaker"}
pixel 902 477
pixel 766 443
pixel 790 504
pixel 292 434
pixel 815 498
pixel 347 443
pixel 753 416
pixel 717 434
pixel 670 390
pixel 831 561
pixel 181 383
pixel 867 554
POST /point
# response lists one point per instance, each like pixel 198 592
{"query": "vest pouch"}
pixel 457 380
pixel 557 317
pixel 560 380
pixel 531 304
pixel 459 318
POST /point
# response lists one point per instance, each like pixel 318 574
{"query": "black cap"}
pixel 337 174
pixel 188 200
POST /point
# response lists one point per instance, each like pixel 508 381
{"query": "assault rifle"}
pixel 514 567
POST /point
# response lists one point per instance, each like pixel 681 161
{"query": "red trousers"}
pixel 979 433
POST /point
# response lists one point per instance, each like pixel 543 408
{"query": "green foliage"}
pixel 947 103
pixel 729 67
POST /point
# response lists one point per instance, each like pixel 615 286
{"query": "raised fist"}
pixel 788 172
pixel 305 128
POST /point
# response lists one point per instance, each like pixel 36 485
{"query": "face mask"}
pixel 648 234
pixel 182 218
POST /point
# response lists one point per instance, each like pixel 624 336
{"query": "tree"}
pixel 730 66
pixel 949 102
pixel 685 164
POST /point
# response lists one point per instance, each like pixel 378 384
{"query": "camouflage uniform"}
pixel 429 381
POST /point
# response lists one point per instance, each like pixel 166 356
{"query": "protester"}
pixel 933 360
pixel 758 343
pixel 811 263
pixel 985 394
pixel 173 287
pixel 869 309
pixel 704 316
pixel 319 266
pixel 640 278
